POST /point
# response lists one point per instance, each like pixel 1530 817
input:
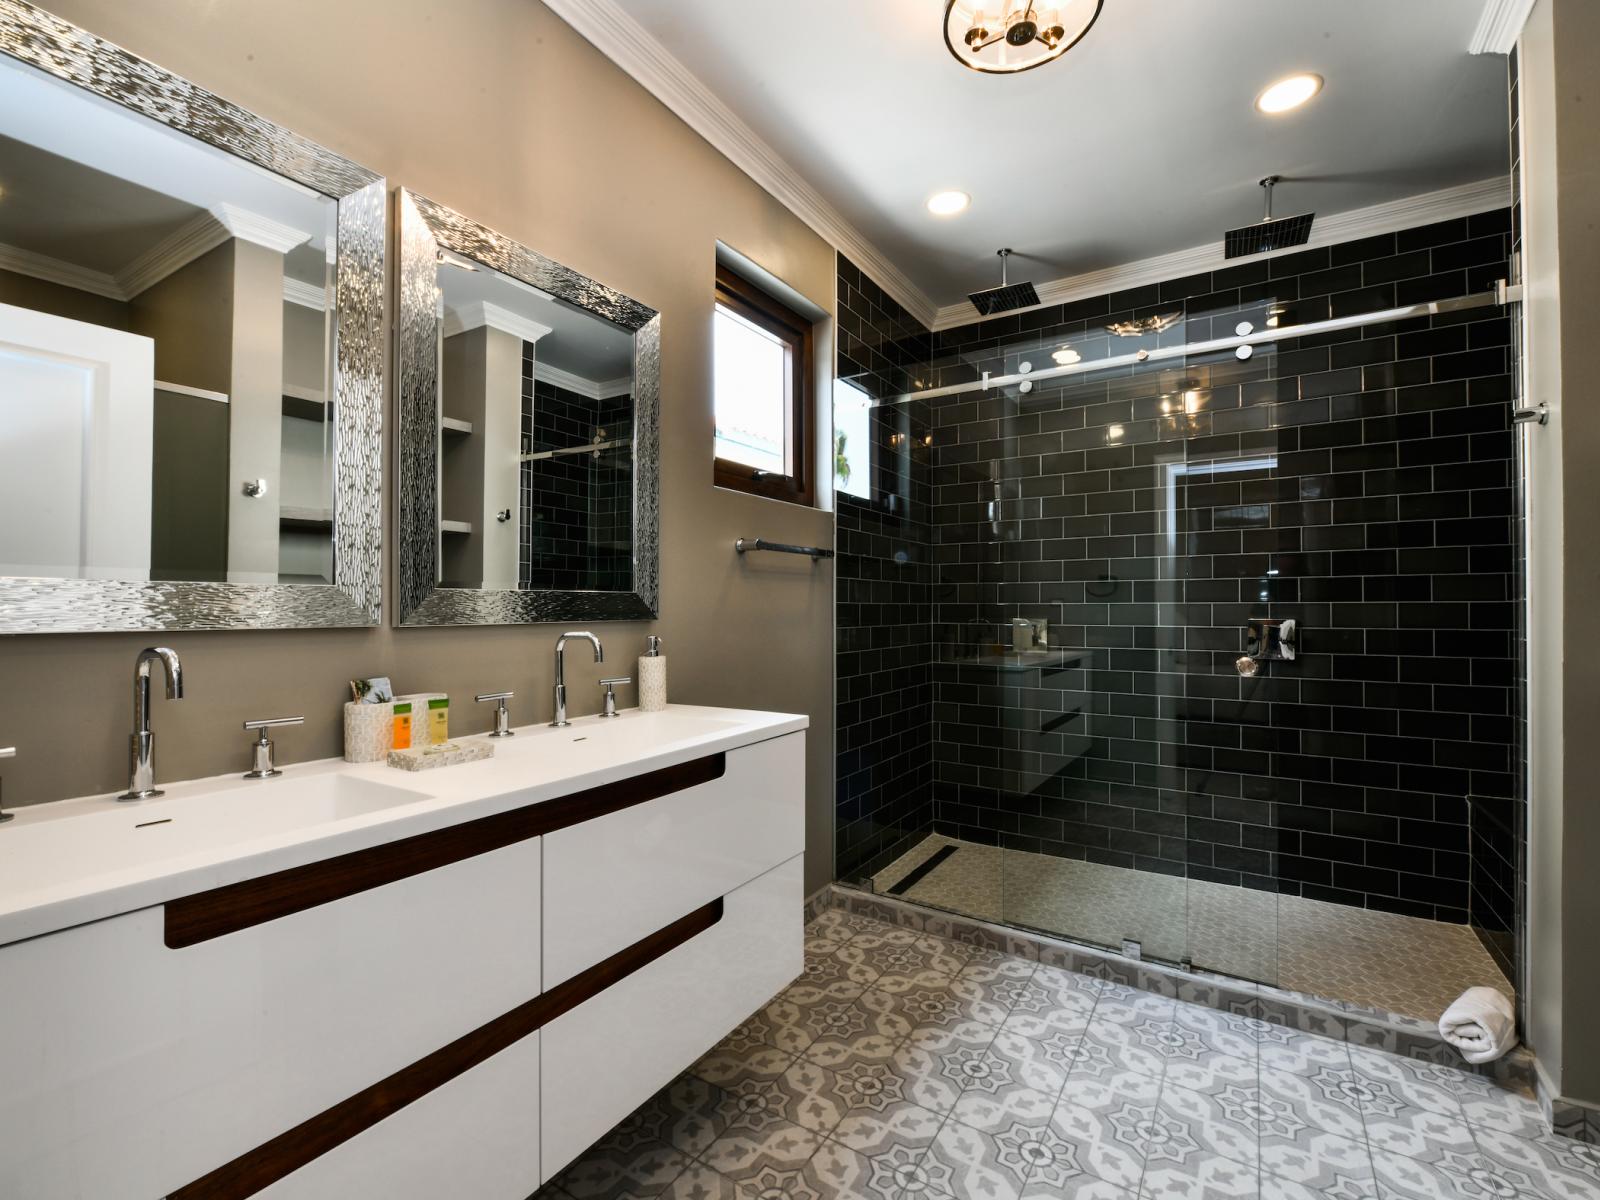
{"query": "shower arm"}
pixel 1502 293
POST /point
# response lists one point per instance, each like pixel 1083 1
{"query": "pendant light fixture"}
pixel 1016 35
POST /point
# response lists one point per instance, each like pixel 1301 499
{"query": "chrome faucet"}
pixel 141 746
pixel 561 673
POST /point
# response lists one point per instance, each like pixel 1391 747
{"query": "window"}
pixel 852 440
pixel 763 394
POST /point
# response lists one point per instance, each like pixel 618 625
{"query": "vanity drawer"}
pixel 612 880
pixel 477 1136
pixel 131 1068
pixel 616 1049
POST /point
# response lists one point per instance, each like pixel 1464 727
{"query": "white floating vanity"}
pixel 350 981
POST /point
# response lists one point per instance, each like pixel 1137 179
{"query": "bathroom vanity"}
pixel 353 982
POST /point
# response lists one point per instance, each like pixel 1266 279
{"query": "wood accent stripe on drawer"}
pixel 236 906
pixel 271 1161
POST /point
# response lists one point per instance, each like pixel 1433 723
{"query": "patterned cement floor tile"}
pixel 1076 1187
pixel 1203 1177
pixel 1086 1090
pixel 617 1168
pixel 745 1155
pixel 876 1131
pixel 979 1166
pixel 700 1182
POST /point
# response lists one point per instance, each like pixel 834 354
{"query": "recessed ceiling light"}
pixel 948 204
pixel 1288 93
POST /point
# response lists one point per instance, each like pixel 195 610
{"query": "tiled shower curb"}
pixel 1359 1026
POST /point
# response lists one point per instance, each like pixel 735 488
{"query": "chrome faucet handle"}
pixel 6 752
pixel 502 715
pixel 610 709
pixel 261 764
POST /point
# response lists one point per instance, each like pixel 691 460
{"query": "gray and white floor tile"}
pixel 903 1066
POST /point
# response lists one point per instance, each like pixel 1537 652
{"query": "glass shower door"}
pixel 1094 832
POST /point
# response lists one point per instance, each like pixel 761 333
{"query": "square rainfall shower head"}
pixel 1268 235
pixel 1004 298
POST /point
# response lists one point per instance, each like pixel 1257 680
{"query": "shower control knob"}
pixel 1246 665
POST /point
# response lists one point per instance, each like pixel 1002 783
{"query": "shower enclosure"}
pixel 1183 621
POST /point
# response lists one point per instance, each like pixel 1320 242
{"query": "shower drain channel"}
pixel 918 873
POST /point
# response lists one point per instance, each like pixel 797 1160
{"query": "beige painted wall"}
pixel 189 313
pixel 1561 181
pixel 496 108
pixel 42 296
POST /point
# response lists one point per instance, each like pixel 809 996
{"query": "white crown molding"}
pixel 628 44
pixel 1444 205
pixel 250 226
pixel 1499 26
pixel 201 234
pixel 54 270
pixel 306 295
pixel 470 316
pixel 593 390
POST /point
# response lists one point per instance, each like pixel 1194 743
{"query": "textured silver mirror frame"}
pixel 425 228
pixel 75 56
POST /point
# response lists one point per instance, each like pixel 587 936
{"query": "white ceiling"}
pixel 1142 141
pixel 67 211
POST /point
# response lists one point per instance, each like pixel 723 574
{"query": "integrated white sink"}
pixel 115 837
pixel 641 732
pixel 81 860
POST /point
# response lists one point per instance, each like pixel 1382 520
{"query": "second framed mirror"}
pixel 527 444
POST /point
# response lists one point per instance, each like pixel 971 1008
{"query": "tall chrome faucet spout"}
pixel 561 672
pixel 141 745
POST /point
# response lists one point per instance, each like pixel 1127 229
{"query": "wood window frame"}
pixel 798 485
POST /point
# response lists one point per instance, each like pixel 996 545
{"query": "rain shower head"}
pixel 1005 297
pixel 1270 234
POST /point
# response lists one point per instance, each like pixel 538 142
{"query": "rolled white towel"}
pixel 1482 1024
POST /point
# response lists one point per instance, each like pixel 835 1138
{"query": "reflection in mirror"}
pixel 527 442
pixel 536 428
pixel 165 351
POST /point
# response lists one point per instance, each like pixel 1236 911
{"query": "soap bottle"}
pixel 652 676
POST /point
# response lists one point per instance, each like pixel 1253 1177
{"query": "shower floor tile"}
pixel 1357 956
pixel 1149 1102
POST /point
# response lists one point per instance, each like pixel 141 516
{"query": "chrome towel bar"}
pixel 744 545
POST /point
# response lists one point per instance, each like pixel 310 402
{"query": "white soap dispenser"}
pixel 652 676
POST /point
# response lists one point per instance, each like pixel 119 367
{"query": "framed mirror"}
pixel 527 445
pixel 191 330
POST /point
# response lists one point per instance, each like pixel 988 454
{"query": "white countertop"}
pixel 73 861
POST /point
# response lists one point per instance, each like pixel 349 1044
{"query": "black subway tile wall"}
pixel 884 622
pixel 1359 482
pixel 576 528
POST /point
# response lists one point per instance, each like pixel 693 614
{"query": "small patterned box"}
pixel 368 731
